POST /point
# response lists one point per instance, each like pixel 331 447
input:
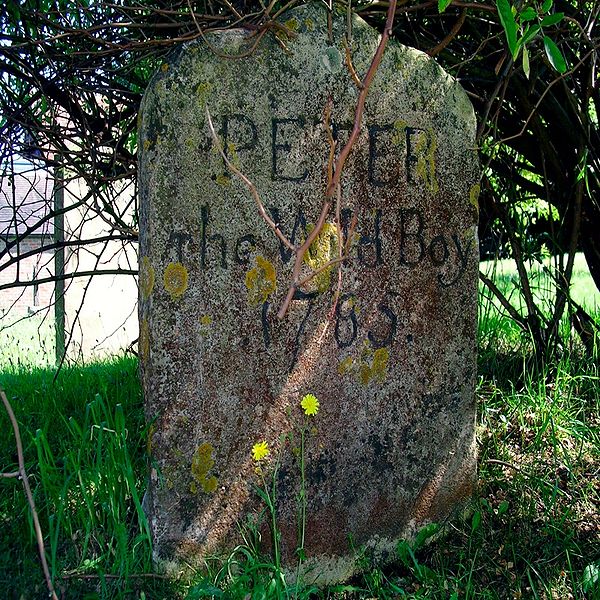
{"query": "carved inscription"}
pixel 414 246
pixel 415 147
pixel 392 238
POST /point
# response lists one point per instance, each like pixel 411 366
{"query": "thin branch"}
pixel 512 311
pixel 341 161
pixel 251 187
pixel 112 576
pixel 541 98
pixel 23 475
pixel 300 252
pixel 10 475
pixel 360 105
pixel 453 33
pixel 350 66
pixel 66 276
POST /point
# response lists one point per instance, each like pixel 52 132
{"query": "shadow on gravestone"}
pixel 392 447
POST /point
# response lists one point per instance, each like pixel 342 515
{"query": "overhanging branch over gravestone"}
pixel 392 361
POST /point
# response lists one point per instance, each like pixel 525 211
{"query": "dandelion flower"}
pixel 260 450
pixel 310 404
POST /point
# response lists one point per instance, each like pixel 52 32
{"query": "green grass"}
pixel 27 342
pixel 532 530
pixel 84 441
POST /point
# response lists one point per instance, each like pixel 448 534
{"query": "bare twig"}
pixel 453 33
pixel 251 187
pixel 10 475
pixel 350 66
pixel 360 105
pixel 543 95
pixel 74 275
pixel 30 500
pixel 341 160
pixel 300 252
pixel 112 576
pixel 512 311
pixel 259 36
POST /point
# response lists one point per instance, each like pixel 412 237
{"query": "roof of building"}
pixel 26 197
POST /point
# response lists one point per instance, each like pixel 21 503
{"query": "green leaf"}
pixel 503 507
pixel 443 5
pixel 425 533
pixel 403 550
pixel 529 34
pixel 12 8
pixel 528 14
pixel 552 19
pixel 526 70
pixel 475 521
pixel 508 23
pixel 205 589
pixel 591 578
pixel 547 5
pixel 554 55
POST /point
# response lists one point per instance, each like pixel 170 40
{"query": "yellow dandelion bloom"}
pixel 260 450
pixel 310 404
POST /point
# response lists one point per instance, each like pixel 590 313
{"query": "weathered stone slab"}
pixel 392 447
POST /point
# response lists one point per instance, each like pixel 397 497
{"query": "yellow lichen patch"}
pixel 345 365
pixel 260 281
pixel 425 150
pixel 151 432
pixel 144 340
pixel 147 144
pixel 164 67
pixel 399 132
pixel 210 485
pixel 474 196
pixel 322 251
pixel 364 373
pixel 373 366
pixel 146 277
pixel 292 24
pixel 468 235
pixel 205 320
pixel 310 24
pixel 175 280
pixel 232 153
pixel 381 358
pixel 202 463
pixel 202 91
pixel 223 179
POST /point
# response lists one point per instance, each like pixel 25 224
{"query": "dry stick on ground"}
pixel 23 475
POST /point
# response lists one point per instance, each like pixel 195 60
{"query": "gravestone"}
pixel 388 347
